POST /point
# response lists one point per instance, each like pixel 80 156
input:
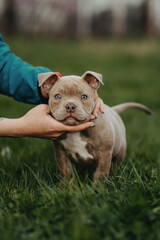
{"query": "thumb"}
pixel 95 96
pixel 80 127
pixel 45 108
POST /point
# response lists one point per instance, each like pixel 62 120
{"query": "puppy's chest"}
pixel 76 147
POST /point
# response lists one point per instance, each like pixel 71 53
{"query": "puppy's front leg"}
pixel 104 164
pixel 64 162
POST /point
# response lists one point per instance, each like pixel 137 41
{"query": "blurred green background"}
pixel 120 40
pixel 34 202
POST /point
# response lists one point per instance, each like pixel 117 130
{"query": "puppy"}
pixel 71 101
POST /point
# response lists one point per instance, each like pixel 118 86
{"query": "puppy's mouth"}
pixel 74 118
pixel 71 120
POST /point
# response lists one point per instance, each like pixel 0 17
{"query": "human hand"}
pixel 99 105
pixel 39 123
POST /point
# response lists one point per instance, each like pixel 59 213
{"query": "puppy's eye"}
pixel 57 96
pixel 84 97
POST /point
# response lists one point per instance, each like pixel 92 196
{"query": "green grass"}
pixel 35 203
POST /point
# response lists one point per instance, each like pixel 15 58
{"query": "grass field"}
pixel 35 203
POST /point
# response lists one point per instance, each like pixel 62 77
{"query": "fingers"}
pixel 80 127
pixel 96 109
pixel 90 118
pixel 99 106
pixel 95 96
pixel 54 136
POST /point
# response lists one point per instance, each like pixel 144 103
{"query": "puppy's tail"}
pixel 125 106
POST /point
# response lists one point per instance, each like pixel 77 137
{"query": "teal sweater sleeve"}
pixel 18 78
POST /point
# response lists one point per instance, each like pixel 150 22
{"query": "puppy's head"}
pixel 71 98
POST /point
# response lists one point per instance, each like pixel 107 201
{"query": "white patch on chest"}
pixel 74 144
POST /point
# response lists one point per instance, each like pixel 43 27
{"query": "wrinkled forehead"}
pixel 71 85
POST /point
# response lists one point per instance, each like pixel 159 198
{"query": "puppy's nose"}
pixel 70 107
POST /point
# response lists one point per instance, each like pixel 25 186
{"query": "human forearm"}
pixel 12 127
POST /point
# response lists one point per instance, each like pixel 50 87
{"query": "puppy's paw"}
pixel 100 176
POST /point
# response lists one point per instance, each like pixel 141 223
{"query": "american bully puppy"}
pixel 71 101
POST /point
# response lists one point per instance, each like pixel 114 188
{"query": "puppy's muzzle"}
pixel 70 107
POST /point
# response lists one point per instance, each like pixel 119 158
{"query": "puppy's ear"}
pixel 46 81
pixel 93 79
